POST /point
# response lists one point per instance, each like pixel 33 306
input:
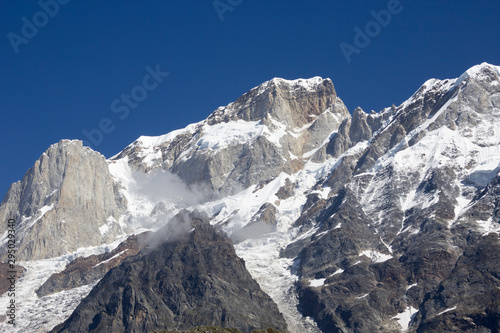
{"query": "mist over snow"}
pixel 252 230
pixel 161 185
pixel 178 228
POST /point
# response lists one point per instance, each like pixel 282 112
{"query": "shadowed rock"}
pixel 191 280
pixel 84 271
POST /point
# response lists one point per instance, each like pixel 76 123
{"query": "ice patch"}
pixel 274 136
pixel 151 141
pixel 51 193
pixel 488 226
pixel 447 310
pixel 411 286
pixel 222 135
pixel 113 257
pixel 317 282
pixel 323 193
pixel 321 234
pixel 404 318
pixel 484 173
pixel 44 210
pixel 105 228
pixel 363 296
pixel 375 256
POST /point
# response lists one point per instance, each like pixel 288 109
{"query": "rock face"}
pixel 370 222
pixel 215 329
pixel 4 275
pixel 189 280
pixel 84 271
pixel 467 300
pixel 65 201
pixel 401 244
pixel 265 132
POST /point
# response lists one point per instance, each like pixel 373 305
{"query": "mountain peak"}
pixel 276 123
pixel 55 194
pixel 480 72
pixel 474 70
pixel 358 220
pixel 291 102
pixel 308 84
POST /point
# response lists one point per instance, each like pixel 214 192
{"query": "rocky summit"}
pixel 281 210
pixel 182 279
pixel 65 201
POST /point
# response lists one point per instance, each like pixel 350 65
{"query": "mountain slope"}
pixel 265 132
pixel 192 278
pixel 362 222
pixel 67 200
pixel 395 229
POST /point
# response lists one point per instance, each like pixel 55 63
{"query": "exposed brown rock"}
pixel 83 271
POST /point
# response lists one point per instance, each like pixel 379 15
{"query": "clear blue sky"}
pixel 64 78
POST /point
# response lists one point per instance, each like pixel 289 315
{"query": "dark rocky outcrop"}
pixel 468 300
pixel 5 268
pixel 286 191
pixel 214 329
pixel 83 271
pixel 433 262
pixel 187 280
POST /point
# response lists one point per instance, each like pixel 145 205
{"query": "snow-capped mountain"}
pixel 357 222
